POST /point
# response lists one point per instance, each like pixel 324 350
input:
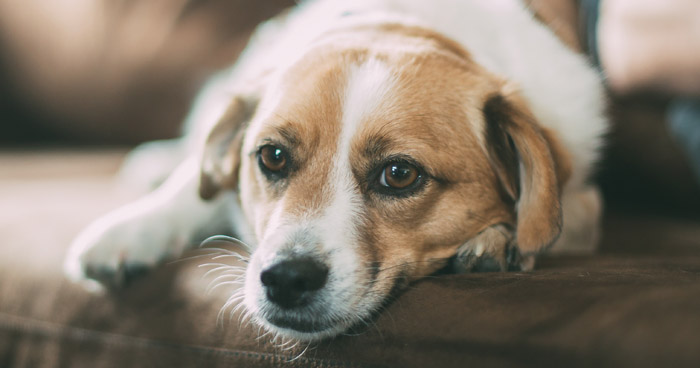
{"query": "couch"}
pixel 636 303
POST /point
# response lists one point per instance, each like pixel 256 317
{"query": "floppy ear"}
pixel 532 167
pixel 222 150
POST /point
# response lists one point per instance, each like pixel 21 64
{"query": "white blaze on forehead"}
pixel 369 86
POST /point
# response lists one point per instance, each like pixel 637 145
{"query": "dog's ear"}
pixel 222 149
pixel 531 166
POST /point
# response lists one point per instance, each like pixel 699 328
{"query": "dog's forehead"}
pixel 343 108
pixel 363 95
pixel 327 106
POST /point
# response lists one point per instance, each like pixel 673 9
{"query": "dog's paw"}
pixel 115 250
pixel 492 250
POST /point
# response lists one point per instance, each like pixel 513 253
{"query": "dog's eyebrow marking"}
pixel 376 145
pixel 290 135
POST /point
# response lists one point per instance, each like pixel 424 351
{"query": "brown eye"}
pixel 399 176
pixel 273 159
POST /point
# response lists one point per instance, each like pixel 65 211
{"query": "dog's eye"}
pixel 273 159
pixel 399 175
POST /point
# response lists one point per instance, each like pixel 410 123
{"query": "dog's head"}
pixel 366 163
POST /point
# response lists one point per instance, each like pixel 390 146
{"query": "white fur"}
pixel 368 85
pixel 160 225
pixel 563 90
pixel 333 232
pixel 501 35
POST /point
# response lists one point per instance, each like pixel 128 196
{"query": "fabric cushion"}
pixel 634 304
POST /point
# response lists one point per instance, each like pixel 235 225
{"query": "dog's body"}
pixel 367 143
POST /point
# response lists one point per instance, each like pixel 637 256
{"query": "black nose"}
pixel 291 283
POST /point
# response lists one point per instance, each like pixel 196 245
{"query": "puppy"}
pixel 359 146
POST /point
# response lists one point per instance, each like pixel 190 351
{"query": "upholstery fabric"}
pixel 636 303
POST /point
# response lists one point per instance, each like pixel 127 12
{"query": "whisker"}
pixel 237 308
pixel 224 239
pixel 234 299
pixel 210 288
pixel 210 264
pixel 229 253
pixel 224 268
pixel 261 335
pixel 220 315
pixel 228 275
pixel 188 258
pixel 285 345
pixel 234 306
pixel 222 250
pixel 235 282
pixel 219 268
pixel 245 317
pixel 237 256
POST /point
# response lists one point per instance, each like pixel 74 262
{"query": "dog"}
pixel 359 146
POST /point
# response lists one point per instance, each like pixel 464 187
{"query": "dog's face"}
pixel 362 168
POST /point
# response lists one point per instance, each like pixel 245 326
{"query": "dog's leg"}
pixel 148 165
pixel 491 250
pixel 133 238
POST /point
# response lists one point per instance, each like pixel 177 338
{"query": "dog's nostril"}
pixel 269 278
pixel 289 283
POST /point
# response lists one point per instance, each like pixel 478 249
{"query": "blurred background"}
pixel 77 74
pixel 97 72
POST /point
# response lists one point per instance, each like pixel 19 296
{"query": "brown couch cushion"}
pixel 636 304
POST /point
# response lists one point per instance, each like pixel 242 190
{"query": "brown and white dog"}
pixel 360 145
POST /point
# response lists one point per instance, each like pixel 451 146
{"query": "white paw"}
pixel 119 247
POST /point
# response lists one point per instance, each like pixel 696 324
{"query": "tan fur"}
pixel 316 126
pixel 434 116
pixel 435 102
pixel 539 205
pixel 221 158
pixel 562 158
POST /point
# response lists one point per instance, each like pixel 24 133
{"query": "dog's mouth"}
pixel 312 323
pixel 301 298
pixel 339 306
pixel 303 325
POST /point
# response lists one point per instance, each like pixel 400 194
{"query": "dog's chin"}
pixel 311 323
pixel 303 328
